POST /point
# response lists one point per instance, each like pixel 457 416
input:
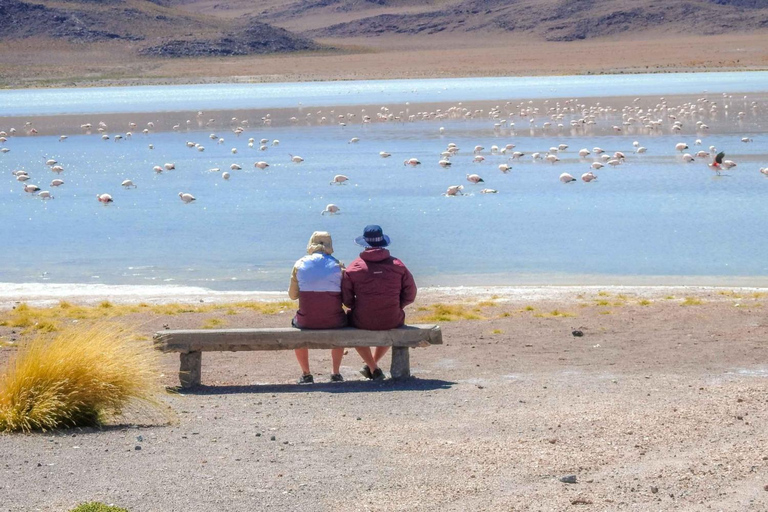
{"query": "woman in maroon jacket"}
pixel 376 287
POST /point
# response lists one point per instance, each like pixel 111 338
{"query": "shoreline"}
pixel 48 295
pixel 280 79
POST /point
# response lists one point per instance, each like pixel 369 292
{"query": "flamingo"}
pixel 225 175
pixel 413 162
pixel 764 171
pixel 353 140
pixel 596 165
pixel 688 158
pixel 681 146
pixel 478 159
pixel 57 169
pixel 717 163
pixel 339 179
pixel 384 154
pixel 187 198
pixel 296 159
pixel 235 167
pixel 505 168
pixel 586 177
pixel 104 198
pixel 169 166
pixel 126 184
pixel 444 163
pixel 57 183
pixel 454 190
pixel 331 209
pixel 31 189
pixel 45 194
pixel 552 159
pixel 583 153
pixel 474 178
pixel 566 178
pixel 261 165
pixel 22 177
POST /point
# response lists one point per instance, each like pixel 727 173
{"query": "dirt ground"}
pixel 660 405
pixel 39 63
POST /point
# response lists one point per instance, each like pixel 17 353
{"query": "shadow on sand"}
pixel 356 386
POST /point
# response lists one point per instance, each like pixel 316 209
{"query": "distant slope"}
pixel 553 20
pixel 566 20
pixel 154 26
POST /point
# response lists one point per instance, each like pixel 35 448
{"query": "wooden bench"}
pixel 192 343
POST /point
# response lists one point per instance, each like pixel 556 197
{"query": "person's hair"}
pixel 320 241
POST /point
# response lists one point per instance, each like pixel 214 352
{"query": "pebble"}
pixel 578 334
pixel 570 479
pixel 137 448
pixel 272 438
pixel 654 489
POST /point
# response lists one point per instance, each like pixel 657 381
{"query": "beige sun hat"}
pixel 320 241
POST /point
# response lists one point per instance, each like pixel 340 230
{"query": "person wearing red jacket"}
pixel 376 287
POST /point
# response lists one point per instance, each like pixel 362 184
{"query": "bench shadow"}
pixel 355 386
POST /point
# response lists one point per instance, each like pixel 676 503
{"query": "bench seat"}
pixel 191 343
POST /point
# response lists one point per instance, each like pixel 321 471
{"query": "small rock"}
pixel 570 479
pixel 258 434
pixel 578 334
pixel 765 487
pixel 272 438
pixel 581 501
pixel 137 448
pixel 654 489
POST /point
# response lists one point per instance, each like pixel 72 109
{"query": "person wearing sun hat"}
pixel 316 283
pixel 376 287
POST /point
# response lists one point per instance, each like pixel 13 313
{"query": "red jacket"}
pixel 376 287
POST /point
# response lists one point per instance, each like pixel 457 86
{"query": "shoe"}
pixel 337 377
pixel 366 372
pixel 306 379
pixel 377 374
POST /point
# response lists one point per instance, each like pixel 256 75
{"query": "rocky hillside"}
pixel 557 20
pixel 153 27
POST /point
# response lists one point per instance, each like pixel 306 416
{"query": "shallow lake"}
pixel 650 218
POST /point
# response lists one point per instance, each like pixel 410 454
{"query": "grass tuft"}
pixel 497 331
pixel 80 377
pixel 555 313
pixel 692 301
pixel 95 506
pixel 447 313
pixel 213 323
pixel 645 302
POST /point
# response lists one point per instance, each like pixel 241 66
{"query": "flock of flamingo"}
pixel 560 119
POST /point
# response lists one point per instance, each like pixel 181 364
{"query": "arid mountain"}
pixel 553 20
pixel 567 20
pixel 153 27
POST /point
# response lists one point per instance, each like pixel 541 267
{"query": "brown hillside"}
pixel 152 27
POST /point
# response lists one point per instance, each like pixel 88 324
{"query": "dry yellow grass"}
pixel 692 301
pixel 80 377
pixel 447 313
pixel 49 319
pixel 555 313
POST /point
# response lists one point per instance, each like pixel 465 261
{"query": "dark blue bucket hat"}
pixel 372 237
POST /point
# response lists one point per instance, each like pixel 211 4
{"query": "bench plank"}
pixel 206 340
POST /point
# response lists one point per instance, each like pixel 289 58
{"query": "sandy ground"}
pixel 659 406
pixel 42 64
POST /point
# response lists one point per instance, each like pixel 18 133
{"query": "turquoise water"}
pixel 31 102
pixel 652 216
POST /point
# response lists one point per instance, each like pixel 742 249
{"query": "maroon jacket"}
pixel 376 287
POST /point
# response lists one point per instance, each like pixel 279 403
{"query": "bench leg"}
pixel 401 365
pixel 190 368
